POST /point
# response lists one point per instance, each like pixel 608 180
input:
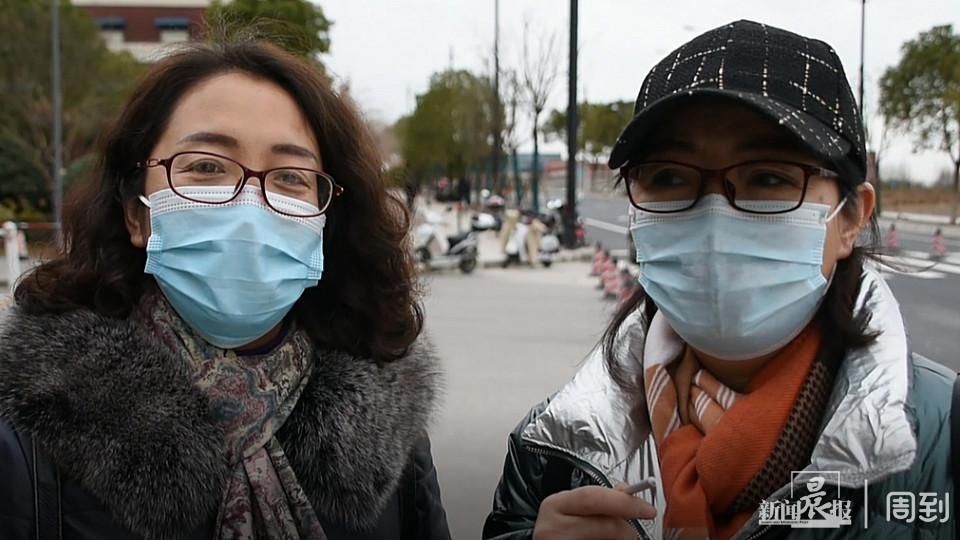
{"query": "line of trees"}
pixel 96 83
pixel 920 97
pixel 450 132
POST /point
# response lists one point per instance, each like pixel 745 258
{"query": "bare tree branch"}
pixel 540 69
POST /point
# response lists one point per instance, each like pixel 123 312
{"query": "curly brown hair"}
pixel 368 302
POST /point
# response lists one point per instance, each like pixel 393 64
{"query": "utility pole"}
pixel 57 118
pixel 496 96
pixel 872 160
pixel 863 26
pixel 570 216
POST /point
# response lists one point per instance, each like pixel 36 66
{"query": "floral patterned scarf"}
pixel 251 396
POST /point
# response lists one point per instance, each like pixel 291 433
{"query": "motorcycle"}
pixel 439 253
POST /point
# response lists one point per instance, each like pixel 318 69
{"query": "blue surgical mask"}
pixel 232 271
pixel 732 284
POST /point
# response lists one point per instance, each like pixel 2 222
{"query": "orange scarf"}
pixel 708 461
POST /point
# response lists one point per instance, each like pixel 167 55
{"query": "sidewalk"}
pixel 507 339
pixel 489 250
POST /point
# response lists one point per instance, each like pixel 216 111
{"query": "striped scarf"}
pixel 721 451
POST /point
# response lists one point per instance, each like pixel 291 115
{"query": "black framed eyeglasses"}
pixel 757 187
pixel 290 191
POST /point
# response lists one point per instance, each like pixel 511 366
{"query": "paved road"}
pixel 508 339
pixel 929 294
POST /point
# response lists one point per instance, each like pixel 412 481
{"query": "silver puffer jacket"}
pixel 886 427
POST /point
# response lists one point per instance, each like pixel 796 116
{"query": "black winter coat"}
pixel 139 455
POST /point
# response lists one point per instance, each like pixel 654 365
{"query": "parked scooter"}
pixel 549 248
pixel 516 248
pixel 554 217
pixel 485 221
pixel 438 252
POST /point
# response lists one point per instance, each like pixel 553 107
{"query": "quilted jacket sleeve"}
pixel 519 493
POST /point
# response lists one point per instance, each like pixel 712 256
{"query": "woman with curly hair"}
pixel 229 344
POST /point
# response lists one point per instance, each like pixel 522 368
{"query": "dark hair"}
pixel 846 329
pixel 368 302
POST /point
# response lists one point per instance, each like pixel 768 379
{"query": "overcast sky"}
pixel 387 49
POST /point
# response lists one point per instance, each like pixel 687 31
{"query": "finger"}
pixel 602 501
pixel 602 528
pixel 566 527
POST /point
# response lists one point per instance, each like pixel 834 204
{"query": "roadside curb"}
pixel 584 254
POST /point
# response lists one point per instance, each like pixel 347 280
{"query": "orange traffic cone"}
pixel 599 256
pixel 628 284
pixel 606 265
pixel 612 282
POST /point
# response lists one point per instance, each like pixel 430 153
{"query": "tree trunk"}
pixel 536 163
pixel 878 188
pixel 955 207
pixel 516 177
pixel 956 193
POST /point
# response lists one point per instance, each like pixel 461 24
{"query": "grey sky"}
pixel 387 49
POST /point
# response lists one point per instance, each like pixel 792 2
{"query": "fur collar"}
pixel 119 416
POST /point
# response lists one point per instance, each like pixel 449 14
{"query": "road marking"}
pixel 924 274
pixel 951 243
pixel 953 259
pixel 596 223
pixel 918 260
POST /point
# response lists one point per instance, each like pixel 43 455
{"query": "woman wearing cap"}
pixel 761 342
pixel 228 346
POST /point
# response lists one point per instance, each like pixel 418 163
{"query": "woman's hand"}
pixel 590 513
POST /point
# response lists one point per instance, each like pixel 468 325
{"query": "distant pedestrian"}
pixel 892 240
pixel 939 248
pixel 463 191
pixel 760 341
pixel 23 247
pixel 411 189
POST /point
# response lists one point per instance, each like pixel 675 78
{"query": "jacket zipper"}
pixel 601 480
pixel 761 532
pixel 586 468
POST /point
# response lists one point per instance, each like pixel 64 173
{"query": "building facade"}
pixel 146 28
